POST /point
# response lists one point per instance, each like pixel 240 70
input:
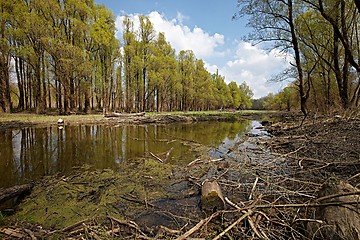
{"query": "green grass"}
pixel 32 118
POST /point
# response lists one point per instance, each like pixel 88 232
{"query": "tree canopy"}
pixel 65 56
pixel 323 37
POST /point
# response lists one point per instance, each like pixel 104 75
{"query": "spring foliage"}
pixel 64 55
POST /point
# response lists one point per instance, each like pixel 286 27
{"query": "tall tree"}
pixel 6 11
pixel 146 35
pixel 274 21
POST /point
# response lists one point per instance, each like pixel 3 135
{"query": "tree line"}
pixel 323 36
pixel 63 54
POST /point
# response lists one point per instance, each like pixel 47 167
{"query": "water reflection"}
pixel 30 153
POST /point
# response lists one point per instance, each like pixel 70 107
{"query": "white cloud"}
pixel 255 66
pixel 181 37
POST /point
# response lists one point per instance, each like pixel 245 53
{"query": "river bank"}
pixel 271 185
pixel 18 120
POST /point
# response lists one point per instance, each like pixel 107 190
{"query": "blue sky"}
pixel 207 28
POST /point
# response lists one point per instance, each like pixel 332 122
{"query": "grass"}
pixel 32 118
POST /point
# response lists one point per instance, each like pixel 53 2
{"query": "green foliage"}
pixel 323 37
pixel 67 57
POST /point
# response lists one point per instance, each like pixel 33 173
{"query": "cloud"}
pixel 255 66
pixel 181 37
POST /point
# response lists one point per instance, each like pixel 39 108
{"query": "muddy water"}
pixel 30 153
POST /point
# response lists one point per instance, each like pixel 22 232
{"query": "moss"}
pixel 59 202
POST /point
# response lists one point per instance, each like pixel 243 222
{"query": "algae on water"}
pixel 58 202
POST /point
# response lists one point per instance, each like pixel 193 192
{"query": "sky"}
pixel 207 28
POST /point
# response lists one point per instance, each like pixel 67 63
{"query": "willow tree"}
pixel 186 67
pixel 274 21
pixel 129 40
pixel 146 36
pixel 6 9
pixel 162 75
pixel 103 33
pixel 203 87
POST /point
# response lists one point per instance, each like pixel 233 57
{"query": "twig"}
pixel 168 154
pixel 31 234
pixel 253 188
pixel 338 195
pixel 138 201
pixel 197 226
pixel 305 205
pixel 168 230
pixel 355 176
pixel 248 213
pixel 72 226
pixel 156 157
pixel 130 224
pixel 192 230
pixel 251 222
pixel 198 160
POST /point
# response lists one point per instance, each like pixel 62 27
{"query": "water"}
pixel 30 153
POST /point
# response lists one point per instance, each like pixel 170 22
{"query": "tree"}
pixel 274 21
pixel 246 96
pixel 6 10
pixel 186 68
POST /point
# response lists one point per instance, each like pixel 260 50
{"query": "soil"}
pixel 271 185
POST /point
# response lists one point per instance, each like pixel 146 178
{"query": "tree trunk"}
pixel 302 91
pixel 12 192
pixel 212 198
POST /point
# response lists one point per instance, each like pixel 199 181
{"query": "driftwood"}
pixel 115 114
pixel 337 222
pixel 212 198
pixel 8 193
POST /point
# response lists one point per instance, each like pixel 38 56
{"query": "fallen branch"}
pixel 198 160
pixel 168 154
pixel 197 226
pixel 156 157
pixel 253 188
pixel 192 230
pixel 251 222
pixel 13 233
pixel 338 195
pixel 233 224
pixel 115 114
pixel 12 192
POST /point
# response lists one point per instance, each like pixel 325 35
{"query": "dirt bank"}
pixel 19 120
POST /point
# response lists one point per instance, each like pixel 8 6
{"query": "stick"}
pixel 253 188
pixel 197 226
pixel 31 234
pixel 156 157
pixel 338 195
pixel 168 230
pixel 192 230
pixel 233 224
pixel 193 162
pixel 168 154
pixel 251 222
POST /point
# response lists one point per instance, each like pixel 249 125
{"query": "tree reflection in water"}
pixel 31 153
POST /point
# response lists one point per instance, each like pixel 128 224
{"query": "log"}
pixel 337 222
pixel 8 193
pixel 115 114
pixel 212 198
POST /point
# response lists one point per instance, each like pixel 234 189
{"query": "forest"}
pixel 323 36
pixel 63 55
